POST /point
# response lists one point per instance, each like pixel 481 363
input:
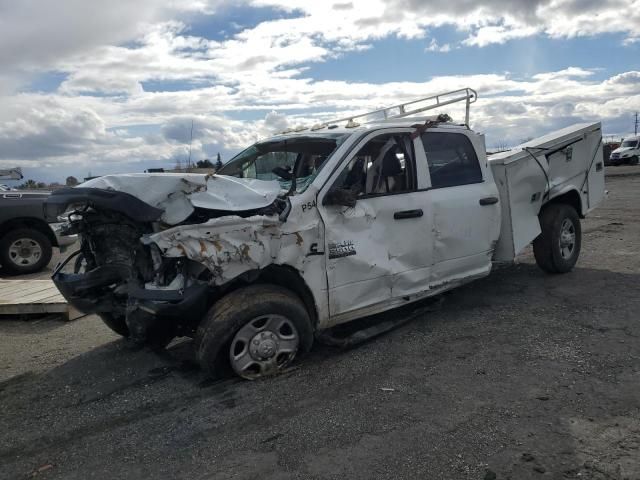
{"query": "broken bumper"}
pixel 92 292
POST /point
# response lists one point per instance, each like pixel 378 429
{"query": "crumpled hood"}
pixel 178 194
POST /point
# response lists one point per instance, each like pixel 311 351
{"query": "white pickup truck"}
pixel 320 226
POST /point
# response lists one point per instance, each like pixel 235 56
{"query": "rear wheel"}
pixel 24 250
pixel 255 331
pixel 557 248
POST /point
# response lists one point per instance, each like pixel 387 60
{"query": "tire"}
pixel 633 160
pixel 256 325
pixel 553 249
pixel 157 338
pixel 24 250
pixel 117 324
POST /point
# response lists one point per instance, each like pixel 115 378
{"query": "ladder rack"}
pixel 11 174
pixel 467 95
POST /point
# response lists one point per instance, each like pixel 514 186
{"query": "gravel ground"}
pixel 520 375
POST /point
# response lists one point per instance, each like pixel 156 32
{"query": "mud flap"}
pixel 156 312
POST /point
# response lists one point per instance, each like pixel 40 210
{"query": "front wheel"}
pixel 255 331
pixel 633 160
pixel 557 248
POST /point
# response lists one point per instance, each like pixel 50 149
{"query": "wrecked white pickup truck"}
pixel 318 227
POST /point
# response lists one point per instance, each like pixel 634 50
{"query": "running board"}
pixel 349 335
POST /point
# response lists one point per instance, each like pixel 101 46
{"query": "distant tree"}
pixel 218 162
pixel 29 184
pixel 206 163
pixel 41 185
pixel 71 181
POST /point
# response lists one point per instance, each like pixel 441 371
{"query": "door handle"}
pixel 408 214
pixel 488 201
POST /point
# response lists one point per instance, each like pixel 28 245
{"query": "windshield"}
pixel 629 144
pixel 303 156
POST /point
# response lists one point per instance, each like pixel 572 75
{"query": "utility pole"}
pixel 636 124
pixel 190 143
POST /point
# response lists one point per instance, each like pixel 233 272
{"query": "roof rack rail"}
pixel 467 95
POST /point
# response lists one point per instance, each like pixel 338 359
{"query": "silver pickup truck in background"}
pixel 318 227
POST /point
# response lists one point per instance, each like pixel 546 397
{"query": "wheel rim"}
pixel 263 346
pixel 567 239
pixel 25 252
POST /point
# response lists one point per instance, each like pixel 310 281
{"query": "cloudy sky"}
pixel 103 87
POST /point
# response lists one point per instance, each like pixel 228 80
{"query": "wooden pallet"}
pixel 28 297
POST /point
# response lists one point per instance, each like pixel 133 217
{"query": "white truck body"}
pixel 627 152
pixel 571 159
pixel 389 212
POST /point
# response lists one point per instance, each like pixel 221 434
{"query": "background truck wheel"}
pixel 558 246
pixel 254 331
pixel 24 250
pixel 633 160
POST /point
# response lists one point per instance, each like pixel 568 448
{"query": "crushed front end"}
pixel 129 284
pixel 157 250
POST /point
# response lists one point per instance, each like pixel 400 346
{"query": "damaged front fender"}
pixel 227 246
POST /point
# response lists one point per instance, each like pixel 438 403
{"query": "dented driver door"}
pixel 378 249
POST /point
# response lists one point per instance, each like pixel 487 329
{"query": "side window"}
pixel 452 159
pixel 384 165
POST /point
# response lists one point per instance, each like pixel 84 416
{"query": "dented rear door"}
pixel 466 208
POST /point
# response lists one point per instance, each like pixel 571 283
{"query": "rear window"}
pixel 452 159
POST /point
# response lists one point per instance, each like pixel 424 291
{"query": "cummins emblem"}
pixel 342 249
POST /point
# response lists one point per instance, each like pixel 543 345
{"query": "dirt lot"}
pixel 521 375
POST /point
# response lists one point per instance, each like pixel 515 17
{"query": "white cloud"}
pixel 434 46
pixel 101 113
pixel 95 131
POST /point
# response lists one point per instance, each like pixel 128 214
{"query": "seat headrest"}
pixel 390 164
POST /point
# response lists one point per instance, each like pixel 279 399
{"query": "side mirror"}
pixel 340 196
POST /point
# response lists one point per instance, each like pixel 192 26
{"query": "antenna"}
pixel 190 142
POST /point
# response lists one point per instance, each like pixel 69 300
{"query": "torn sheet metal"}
pixel 178 194
pixel 231 245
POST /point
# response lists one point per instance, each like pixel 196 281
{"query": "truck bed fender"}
pixel 570 195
